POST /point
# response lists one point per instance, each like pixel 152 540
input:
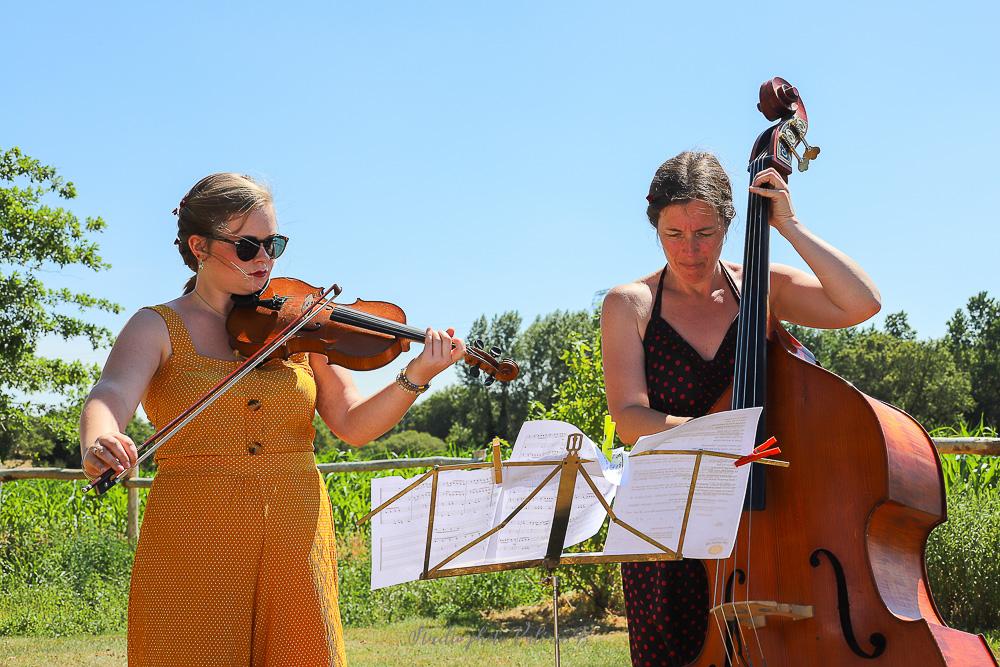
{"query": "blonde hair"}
pixel 210 205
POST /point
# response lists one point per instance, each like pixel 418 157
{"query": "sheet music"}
pixel 527 535
pixel 655 488
pixel 464 509
pixel 651 490
pixel 466 503
pixel 399 532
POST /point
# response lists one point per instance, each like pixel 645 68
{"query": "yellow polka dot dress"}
pixel 236 562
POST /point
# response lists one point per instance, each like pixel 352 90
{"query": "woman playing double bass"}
pixel 236 564
pixel 669 344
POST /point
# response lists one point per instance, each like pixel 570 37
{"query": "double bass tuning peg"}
pixel 794 134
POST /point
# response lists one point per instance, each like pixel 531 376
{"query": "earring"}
pixel 201 264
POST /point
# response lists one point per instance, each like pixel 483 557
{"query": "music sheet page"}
pixel 464 510
pixel 399 532
pixel 527 535
pixel 654 490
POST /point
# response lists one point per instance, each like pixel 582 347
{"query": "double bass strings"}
pixel 746 374
pixel 761 226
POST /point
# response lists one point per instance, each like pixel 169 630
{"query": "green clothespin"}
pixel 609 436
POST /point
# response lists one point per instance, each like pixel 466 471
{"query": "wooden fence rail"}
pixel 980 446
pixel 134 482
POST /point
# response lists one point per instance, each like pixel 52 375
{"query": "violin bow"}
pixel 108 479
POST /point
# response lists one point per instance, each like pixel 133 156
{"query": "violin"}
pixel 828 568
pixel 288 317
pixel 361 336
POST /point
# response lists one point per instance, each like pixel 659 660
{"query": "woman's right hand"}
pixel 113 450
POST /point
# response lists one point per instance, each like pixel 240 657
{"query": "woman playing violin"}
pixel 236 563
pixel 669 351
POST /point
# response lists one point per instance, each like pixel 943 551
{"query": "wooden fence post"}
pixel 132 525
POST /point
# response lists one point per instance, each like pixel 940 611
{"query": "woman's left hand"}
pixel 782 211
pixel 441 350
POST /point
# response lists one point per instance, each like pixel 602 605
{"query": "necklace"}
pixel 211 307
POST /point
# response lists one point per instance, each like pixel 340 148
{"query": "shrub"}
pixel 962 562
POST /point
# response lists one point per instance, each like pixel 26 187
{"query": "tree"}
pixel 36 237
pixel 581 399
pixel 438 413
pixel 538 351
pixel 918 376
pixel 492 410
pixel 974 341
pixel 541 352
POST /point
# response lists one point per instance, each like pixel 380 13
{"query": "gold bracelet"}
pixel 408 385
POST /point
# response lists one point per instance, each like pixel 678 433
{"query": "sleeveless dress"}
pixel 236 562
pixel 666 603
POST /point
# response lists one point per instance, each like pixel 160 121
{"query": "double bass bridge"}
pixel 754 613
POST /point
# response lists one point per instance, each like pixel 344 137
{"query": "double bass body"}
pixel 843 533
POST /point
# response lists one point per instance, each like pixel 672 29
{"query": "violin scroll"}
pixel 492 363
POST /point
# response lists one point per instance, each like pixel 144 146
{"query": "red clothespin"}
pixel 761 451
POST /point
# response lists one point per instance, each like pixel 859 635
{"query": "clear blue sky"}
pixel 468 157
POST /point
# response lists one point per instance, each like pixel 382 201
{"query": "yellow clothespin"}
pixel 497 462
pixel 609 436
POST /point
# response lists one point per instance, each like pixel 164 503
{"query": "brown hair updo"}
pixel 207 208
pixel 688 176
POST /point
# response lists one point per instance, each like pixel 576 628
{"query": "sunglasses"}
pixel 247 247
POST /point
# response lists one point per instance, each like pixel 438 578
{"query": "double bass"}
pixel 828 568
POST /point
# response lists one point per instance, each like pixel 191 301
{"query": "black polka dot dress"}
pixel 667 603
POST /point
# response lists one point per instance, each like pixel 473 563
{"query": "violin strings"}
pixel 347 315
pixel 350 316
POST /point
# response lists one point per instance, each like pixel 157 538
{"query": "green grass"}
pixel 416 642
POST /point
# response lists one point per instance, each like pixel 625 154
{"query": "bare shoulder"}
pixel 144 330
pixel 146 322
pixel 635 298
pixel 630 305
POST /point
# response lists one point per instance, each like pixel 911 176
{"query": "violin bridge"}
pixel 754 613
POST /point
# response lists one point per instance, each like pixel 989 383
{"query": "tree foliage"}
pixel 974 341
pixel 38 237
pixel 468 415
pixel 581 398
pixel 918 376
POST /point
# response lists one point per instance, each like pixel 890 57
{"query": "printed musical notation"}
pixel 655 488
pixel 650 493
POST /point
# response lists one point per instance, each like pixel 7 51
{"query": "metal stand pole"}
pixel 554 579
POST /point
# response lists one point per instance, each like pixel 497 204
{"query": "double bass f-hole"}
pixel 877 639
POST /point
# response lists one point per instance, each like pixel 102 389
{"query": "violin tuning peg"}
pixel 474 371
pixel 490 380
pixel 496 351
pixel 478 343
